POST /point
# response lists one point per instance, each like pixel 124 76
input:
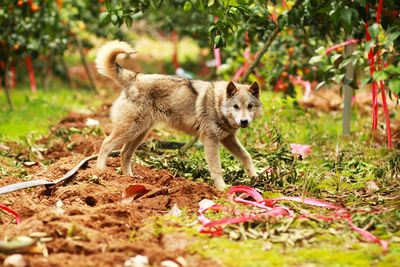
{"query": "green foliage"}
pixel 304 25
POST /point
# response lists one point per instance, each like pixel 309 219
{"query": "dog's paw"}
pixel 220 185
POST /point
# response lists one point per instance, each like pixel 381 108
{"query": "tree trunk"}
pixel 84 62
pixel 66 71
pixel 348 91
pixel 6 84
pixel 49 71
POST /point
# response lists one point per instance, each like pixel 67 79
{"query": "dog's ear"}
pixel 254 89
pixel 231 90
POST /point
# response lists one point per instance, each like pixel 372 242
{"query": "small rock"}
pixel 169 264
pixel 59 204
pixel 92 122
pixel 175 211
pixel 181 260
pixel 15 260
pixel 137 261
pixel 371 187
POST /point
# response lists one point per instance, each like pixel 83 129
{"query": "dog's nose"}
pixel 244 123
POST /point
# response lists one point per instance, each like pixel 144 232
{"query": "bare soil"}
pixel 85 218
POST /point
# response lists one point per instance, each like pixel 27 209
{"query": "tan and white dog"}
pixel 212 111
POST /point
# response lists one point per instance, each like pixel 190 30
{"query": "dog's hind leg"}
pixel 127 153
pixel 108 145
pixel 238 151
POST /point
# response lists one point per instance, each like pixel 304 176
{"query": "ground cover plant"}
pixel 103 218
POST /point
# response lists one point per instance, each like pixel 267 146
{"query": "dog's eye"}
pixel 250 106
pixel 235 106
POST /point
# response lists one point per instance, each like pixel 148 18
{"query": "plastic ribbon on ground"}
pixel 7 209
pixel 272 209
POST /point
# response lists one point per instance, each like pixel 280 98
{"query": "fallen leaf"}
pixel 30 164
pixel 132 192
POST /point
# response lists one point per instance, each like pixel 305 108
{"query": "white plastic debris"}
pixel 16 260
pixel 92 122
pixel 59 204
pixel 137 261
pixel 169 263
pixel 206 203
pixel 175 211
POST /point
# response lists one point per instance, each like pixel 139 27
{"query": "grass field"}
pixel 35 113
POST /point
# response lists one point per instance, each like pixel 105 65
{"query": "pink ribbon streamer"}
pixel 275 210
pixel 341 44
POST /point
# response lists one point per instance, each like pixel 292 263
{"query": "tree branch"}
pixel 261 54
pixel 265 48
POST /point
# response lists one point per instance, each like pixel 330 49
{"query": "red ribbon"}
pixel 17 216
pixel 374 88
pixel 31 74
pixel 174 40
pixel 274 210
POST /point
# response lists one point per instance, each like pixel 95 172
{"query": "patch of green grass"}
pixel 33 114
pixel 263 253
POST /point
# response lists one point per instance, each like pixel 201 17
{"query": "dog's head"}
pixel 242 104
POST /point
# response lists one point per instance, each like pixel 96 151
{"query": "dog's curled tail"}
pixel 106 60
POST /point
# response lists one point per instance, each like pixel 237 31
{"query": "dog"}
pixel 210 110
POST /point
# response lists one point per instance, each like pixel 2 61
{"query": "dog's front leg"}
pixel 211 149
pixel 238 151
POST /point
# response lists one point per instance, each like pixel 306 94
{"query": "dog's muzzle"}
pixel 244 123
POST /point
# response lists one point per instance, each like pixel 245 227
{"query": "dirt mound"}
pixel 84 220
pixel 87 221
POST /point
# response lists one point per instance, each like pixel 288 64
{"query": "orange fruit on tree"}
pixel 101 1
pixel 103 9
pixel 29 2
pixel 307 71
pixel 16 47
pixel 34 7
pixel 339 49
pixel 284 74
pixel 20 2
pixel 291 49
